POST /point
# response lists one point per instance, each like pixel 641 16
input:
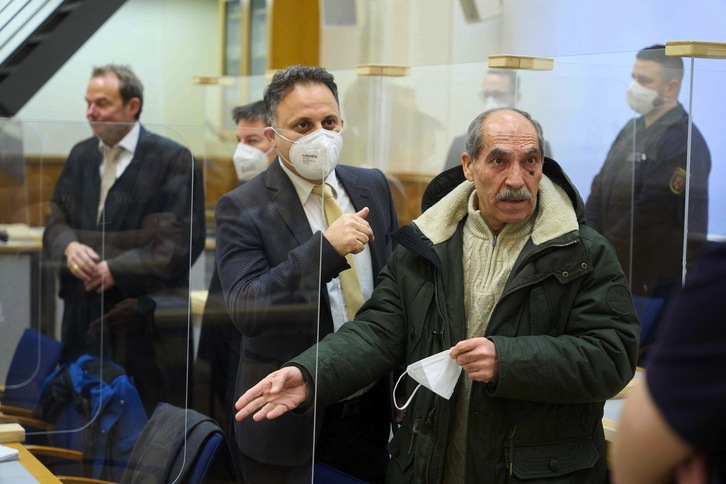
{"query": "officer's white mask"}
pixel 439 373
pixel 641 99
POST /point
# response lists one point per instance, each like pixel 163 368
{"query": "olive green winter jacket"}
pixel 565 331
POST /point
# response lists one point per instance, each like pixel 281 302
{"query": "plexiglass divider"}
pixel 705 64
pixel 96 321
pixel 410 125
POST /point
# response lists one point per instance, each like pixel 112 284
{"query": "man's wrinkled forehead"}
pixel 507 128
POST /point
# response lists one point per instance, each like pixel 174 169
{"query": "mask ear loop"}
pixel 409 398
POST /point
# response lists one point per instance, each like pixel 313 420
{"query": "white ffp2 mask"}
pixel 249 161
pixel 439 373
pixel 315 155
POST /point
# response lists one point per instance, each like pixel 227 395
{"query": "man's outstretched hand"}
pixel 278 393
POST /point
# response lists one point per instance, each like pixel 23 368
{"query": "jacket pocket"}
pixel 553 461
pixel 400 466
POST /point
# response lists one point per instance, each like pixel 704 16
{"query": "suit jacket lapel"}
pixel 287 203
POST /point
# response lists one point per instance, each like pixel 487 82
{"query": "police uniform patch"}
pixel 678 181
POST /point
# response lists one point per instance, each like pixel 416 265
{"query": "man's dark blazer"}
pixel 272 276
pixel 153 229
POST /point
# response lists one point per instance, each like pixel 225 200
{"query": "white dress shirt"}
pixel 313 206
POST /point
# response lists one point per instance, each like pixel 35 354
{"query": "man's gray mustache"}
pixel 519 194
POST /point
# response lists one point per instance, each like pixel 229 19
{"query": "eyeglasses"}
pixel 502 96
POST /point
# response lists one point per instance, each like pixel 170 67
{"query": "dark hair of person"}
pixel 129 85
pixel 250 112
pixel 672 67
pixel 285 81
pixel 475 133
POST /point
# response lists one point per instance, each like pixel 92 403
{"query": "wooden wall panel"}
pixel 219 178
pixel 294 35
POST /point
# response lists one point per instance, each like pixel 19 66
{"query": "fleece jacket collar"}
pixel 555 217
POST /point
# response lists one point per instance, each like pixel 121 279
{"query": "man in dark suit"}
pixel 283 268
pixel 126 222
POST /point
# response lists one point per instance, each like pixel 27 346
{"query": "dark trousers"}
pixel 352 440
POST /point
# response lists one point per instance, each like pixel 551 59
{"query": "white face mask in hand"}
pixel 439 373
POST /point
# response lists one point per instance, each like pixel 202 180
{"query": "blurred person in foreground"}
pixel 673 426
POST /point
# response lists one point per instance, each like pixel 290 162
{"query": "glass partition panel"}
pixel 267 238
pixel 702 80
pixel 626 159
pixel 638 164
pixel 101 261
pixel 655 170
pixel 618 125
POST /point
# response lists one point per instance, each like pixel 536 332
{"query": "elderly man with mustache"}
pixel 503 278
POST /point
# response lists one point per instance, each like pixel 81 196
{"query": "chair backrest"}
pixel 648 309
pixel 206 457
pixel 327 475
pixel 35 357
pixel 180 445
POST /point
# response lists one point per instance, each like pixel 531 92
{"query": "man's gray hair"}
pixel 285 81
pixel 129 85
pixel 475 133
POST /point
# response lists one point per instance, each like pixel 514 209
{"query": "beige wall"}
pixel 167 42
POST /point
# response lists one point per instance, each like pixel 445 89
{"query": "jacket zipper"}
pixel 414 430
pixel 430 416
pixel 440 334
pixel 510 437
pixel 434 436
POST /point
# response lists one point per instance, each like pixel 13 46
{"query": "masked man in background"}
pixel 638 199
pixel 501 89
pixel 219 340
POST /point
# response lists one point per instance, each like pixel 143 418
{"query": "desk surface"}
pixel 21 247
pixel 21 238
pixel 33 465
